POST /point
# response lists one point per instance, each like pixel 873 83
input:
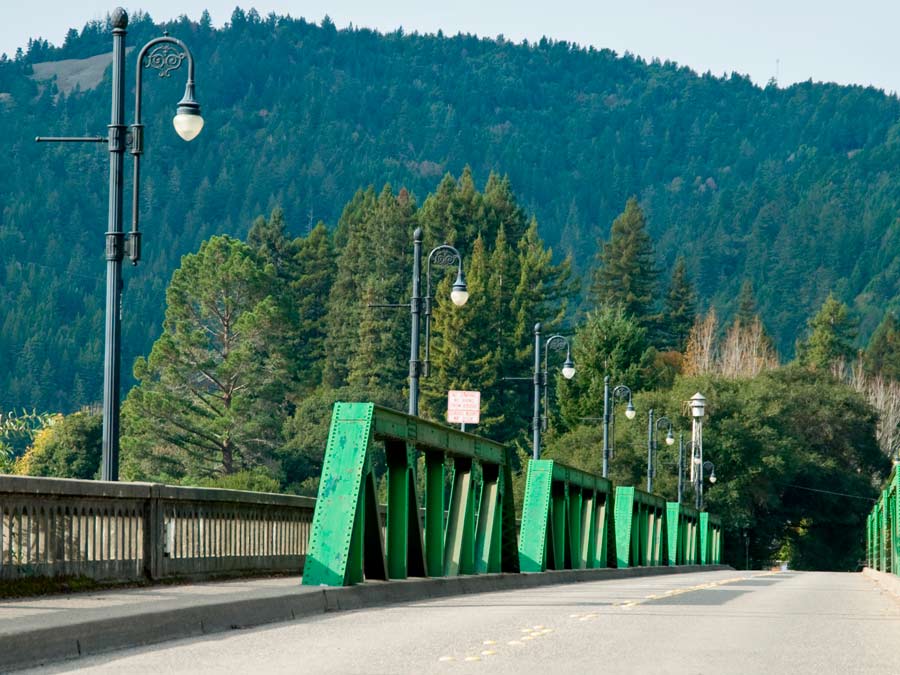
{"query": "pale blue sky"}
pixel 846 42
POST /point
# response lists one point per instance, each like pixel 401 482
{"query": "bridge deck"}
pixel 718 621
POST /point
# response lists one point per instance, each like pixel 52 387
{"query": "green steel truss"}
pixel 639 520
pixel 565 518
pixel 710 539
pixel 682 534
pixel 883 529
pixel 348 541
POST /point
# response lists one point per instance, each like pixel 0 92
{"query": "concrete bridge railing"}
pixel 53 527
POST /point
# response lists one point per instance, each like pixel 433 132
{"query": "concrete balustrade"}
pixel 53 527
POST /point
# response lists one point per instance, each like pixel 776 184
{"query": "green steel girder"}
pixel 682 526
pixel 427 435
pixel 565 518
pixel 346 544
pixel 639 522
pixel 710 539
pixel 895 522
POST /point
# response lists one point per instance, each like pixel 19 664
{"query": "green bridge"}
pixel 883 529
pixel 571 519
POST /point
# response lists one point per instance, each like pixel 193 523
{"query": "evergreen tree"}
pixel 609 342
pixel 365 343
pixel 625 272
pixel 746 304
pixel 315 260
pixel 211 395
pixel 344 309
pixel 831 335
pixel 680 308
pixel 269 238
pixel 882 355
pixel 512 284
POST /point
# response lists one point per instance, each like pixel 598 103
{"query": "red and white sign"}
pixel 463 407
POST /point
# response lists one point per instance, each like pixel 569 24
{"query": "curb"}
pixel 40 646
pixel 888 582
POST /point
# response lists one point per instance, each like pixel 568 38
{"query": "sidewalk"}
pixel 55 628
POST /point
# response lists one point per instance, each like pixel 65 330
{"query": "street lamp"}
pixel 609 402
pixel 652 430
pixel 703 466
pixel 441 256
pixel 164 54
pixel 540 380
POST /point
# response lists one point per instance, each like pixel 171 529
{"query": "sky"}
pixel 792 40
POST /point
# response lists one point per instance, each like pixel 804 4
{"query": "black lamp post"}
pixel 651 445
pixel 441 256
pixel 164 54
pixel 540 381
pixel 609 402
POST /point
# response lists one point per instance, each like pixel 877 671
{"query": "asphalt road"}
pixel 712 622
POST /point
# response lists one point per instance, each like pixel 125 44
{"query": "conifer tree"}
pixel 270 239
pixel 625 272
pixel 344 309
pixel 609 342
pixel 831 334
pixel 680 308
pixel 373 268
pixel 316 269
pixel 882 355
pixel 746 304
pixel 210 399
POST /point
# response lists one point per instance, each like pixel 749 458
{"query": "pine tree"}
pixel 625 272
pixel 270 239
pixel 316 270
pixel 680 308
pixel 211 395
pixel 344 310
pixel 609 342
pixel 882 355
pixel 373 268
pixel 831 335
pixel 279 253
pixel 746 304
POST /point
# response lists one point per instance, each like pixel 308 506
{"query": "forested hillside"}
pixel 794 189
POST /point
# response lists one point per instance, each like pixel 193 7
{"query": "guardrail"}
pixel 565 519
pixel 346 544
pixel 52 527
pixel 883 529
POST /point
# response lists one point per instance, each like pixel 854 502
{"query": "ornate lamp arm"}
pixel 164 54
pixel 442 256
